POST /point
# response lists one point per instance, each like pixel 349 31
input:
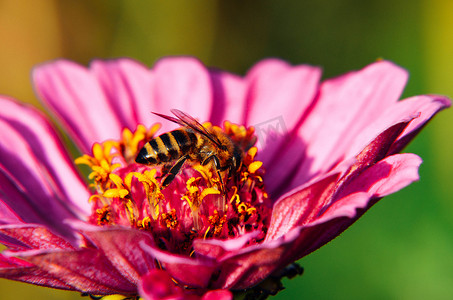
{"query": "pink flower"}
pixel 332 154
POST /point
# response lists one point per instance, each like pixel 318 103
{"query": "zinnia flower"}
pixel 326 152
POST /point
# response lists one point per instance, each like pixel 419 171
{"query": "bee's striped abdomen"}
pixel 186 139
pixel 167 147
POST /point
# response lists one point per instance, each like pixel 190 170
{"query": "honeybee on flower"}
pixel 236 215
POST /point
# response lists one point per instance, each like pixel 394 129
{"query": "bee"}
pixel 194 143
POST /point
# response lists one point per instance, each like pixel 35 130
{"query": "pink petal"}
pixel 34 276
pixel 32 151
pixel 218 295
pixel 344 107
pixel 229 93
pixel 122 248
pixel 376 150
pixel 15 269
pixel 13 262
pixel 16 199
pixel 182 83
pixel 77 99
pixel 386 177
pixel 300 206
pixel 303 205
pixel 7 215
pixel 24 237
pixel 278 98
pixel 85 270
pixel 38 180
pixel 426 107
pixel 158 285
pixel 216 249
pixel 420 108
pixel 127 86
pixel 192 272
pixel 249 266
pixel 243 267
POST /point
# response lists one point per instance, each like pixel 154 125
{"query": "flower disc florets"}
pixel 197 204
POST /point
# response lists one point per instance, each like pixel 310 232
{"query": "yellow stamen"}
pixel 170 219
pixel 205 236
pixel 245 210
pixel 116 180
pixel 245 137
pixel 194 197
pixel 235 196
pixel 152 189
pixel 122 192
pixel 95 198
pixel 254 166
pixel 100 163
pixel 115 193
pixel 145 223
pixel 104 215
pixel 217 221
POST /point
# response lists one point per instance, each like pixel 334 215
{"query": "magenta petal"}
pixel 420 109
pixel 15 269
pixel 303 206
pixel 218 295
pixel 158 285
pixel 246 268
pixel 76 98
pixel 7 215
pixel 31 237
pixel 229 92
pixel 16 199
pixel 12 262
pixel 217 249
pixel 122 248
pixel 192 272
pixel 426 107
pixel 32 153
pixel 182 83
pixel 39 182
pixel 387 176
pixel 241 266
pixel 345 106
pixel 86 270
pixel 378 149
pixel 278 97
pixel 127 86
pixel 34 276
pixel 300 207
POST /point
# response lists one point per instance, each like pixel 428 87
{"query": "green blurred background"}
pixel 400 249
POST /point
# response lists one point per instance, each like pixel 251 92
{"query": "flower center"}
pixel 196 204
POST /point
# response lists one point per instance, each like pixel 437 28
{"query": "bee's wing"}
pixel 177 121
pixel 187 120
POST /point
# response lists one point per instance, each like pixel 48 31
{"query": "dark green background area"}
pixel 403 247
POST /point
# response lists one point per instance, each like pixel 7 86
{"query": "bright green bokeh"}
pixel 401 248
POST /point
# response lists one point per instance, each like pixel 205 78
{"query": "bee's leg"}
pixel 174 170
pixel 217 166
pixel 164 170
